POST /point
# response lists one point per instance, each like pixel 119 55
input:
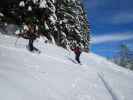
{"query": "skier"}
pixel 32 37
pixel 31 34
pixel 77 51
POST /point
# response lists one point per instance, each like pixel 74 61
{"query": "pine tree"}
pixel 73 24
pixel 124 57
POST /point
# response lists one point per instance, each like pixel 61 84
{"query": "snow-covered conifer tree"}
pixel 62 21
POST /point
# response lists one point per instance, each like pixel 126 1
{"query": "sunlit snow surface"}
pixel 52 75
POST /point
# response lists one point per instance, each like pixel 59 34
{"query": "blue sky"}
pixel 111 23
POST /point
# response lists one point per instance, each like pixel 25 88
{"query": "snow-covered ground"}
pixel 52 75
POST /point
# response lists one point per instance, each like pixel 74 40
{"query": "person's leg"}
pixel 35 49
pixel 30 45
pixel 77 58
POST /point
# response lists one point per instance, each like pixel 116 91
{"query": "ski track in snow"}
pixel 52 75
pixel 110 90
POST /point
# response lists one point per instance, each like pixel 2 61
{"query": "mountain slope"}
pixel 52 75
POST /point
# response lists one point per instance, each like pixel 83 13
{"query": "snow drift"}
pixel 52 75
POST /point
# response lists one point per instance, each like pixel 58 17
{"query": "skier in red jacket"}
pixel 77 51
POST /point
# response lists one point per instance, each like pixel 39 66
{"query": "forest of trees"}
pixel 62 21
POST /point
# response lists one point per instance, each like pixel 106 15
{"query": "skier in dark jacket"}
pixel 77 51
pixel 32 37
pixel 31 34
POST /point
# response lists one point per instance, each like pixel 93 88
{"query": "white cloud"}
pixel 111 38
pixel 122 18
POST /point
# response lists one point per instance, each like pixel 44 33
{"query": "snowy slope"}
pixel 52 75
